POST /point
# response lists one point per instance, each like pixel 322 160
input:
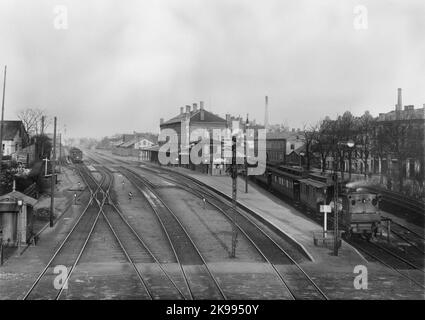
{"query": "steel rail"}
pixel 117 238
pixel 167 235
pixel 120 214
pixel 184 231
pixel 58 250
pixel 389 266
pixel 202 194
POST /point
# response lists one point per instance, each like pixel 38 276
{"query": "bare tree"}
pixel 365 125
pixel 32 120
pixel 309 137
pixel 323 141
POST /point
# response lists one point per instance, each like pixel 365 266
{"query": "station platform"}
pixel 284 217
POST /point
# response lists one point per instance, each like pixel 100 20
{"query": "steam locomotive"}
pixel 359 209
pixel 75 155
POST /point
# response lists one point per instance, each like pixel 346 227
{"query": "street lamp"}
pixel 350 144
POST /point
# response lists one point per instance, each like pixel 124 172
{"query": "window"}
pixel 292 146
pixel 16 147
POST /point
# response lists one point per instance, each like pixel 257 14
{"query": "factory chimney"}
pixel 399 105
pixel 266 115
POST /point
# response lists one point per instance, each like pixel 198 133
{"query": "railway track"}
pixel 299 285
pixel 201 282
pixel 67 254
pixel 155 280
pixel 391 261
pixel 413 239
pixel 396 200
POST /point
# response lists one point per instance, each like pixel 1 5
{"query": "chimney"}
pixel 201 105
pixel 399 105
pixel 227 117
pixel 202 114
pixel 187 108
pixel 161 121
pixel 195 107
pixel 181 110
pixel 266 115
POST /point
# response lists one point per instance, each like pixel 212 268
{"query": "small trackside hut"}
pixel 16 218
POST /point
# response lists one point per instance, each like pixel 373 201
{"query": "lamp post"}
pixel 349 144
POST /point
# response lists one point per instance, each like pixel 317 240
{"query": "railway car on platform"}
pixel 360 208
pixel 75 155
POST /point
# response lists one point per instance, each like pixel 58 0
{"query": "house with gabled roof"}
pixel 15 137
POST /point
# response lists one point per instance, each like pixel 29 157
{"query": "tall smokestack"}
pixel 399 105
pixel 266 115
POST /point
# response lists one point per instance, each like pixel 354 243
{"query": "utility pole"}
pixel 234 174
pixel 60 152
pixel 2 117
pixel 246 154
pixel 336 235
pixel 42 133
pixel 53 162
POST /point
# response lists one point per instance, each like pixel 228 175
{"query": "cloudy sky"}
pixel 121 65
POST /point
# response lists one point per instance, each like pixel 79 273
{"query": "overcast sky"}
pixel 122 65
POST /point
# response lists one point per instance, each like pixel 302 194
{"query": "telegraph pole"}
pixel 246 154
pixel 53 162
pixel 2 117
pixel 42 133
pixel 60 152
pixel 234 174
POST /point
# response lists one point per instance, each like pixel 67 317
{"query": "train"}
pixel 75 155
pixel 359 209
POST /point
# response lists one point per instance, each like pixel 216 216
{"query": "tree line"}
pixel 372 138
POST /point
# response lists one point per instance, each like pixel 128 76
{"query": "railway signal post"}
pixel 53 162
pixel 234 174
pixel 336 231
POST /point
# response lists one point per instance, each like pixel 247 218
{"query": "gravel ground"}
pixel 210 230
pixel 140 216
